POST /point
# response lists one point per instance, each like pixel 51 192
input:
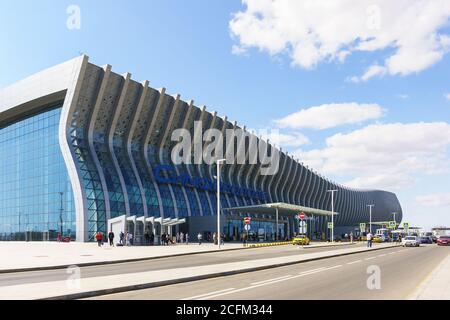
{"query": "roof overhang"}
pixel 283 209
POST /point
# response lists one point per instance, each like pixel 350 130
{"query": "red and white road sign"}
pixel 247 220
pixel 302 216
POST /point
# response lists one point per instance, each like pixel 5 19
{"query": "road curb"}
pixel 103 263
pixel 101 292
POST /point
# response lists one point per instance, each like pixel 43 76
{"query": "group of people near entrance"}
pixel 125 239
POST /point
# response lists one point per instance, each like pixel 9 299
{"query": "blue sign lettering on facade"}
pixel 168 174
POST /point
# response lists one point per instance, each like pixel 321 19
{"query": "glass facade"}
pixel 261 230
pixel 36 197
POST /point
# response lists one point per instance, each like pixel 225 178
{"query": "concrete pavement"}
pixel 401 271
pixel 28 256
pixel 173 262
pixel 76 285
pixel 437 285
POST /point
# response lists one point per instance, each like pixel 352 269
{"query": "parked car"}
pixel 301 240
pixel 426 240
pixel 411 241
pixel 443 241
pixel 378 239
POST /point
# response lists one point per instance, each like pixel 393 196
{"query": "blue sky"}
pixel 187 47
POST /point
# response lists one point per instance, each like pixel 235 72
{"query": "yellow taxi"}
pixel 301 240
pixel 377 239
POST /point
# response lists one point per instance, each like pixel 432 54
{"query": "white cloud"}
pixel 372 71
pixel 312 32
pixel 238 51
pixel 403 96
pixel 331 115
pixel 385 155
pixel 434 200
pixel 447 96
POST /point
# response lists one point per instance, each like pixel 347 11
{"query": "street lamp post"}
pixel 332 213
pixel 219 238
pixel 370 213
pixel 61 216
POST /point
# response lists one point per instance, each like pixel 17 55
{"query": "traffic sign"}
pixel 330 225
pixel 247 227
pixel 362 227
pixel 302 216
pixel 392 224
pixel 247 220
pixel 302 223
pixel 405 225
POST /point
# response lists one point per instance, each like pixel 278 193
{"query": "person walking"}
pixel 200 238
pixel 152 239
pixel 181 237
pixel 121 237
pixel 215 238
pixel 187 238
pixel 99 238
pixel 369 240
pixel 111 238
pixel 351 237
pixel 130 239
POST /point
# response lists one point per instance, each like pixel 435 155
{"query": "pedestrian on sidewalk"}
pixel 351 237
pixel 187 238
pixel 121 237
pixel 369 240
pixel 200 238
pixel 111 238
pixel 99 238
pixel 177 237
pixel 130 239
pixel 152 239
pixel 181 237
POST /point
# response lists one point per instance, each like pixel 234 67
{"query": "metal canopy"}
pixel 283 209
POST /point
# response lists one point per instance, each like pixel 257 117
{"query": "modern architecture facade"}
pixel 82 148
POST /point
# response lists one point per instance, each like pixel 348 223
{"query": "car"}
pixel 426 240
pixel 301 240
pixel 443 241
pixel 377 239
pixel 411 241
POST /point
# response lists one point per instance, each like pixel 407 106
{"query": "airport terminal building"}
pixel 84 149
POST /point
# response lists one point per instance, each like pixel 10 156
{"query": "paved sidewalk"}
pixel 35 255
pixel 77 288
pixel 437 285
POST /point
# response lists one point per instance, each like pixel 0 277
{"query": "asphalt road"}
pixel 9 279
pixel 401 271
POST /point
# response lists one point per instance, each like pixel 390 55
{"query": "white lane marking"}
pixel 335 267
pixel 381 255
pixel 306 273
pixel 353 262
pixel 208 294
pixel 371 258
pixel 270 280
pixel 313 270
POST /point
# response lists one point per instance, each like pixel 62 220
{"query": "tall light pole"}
pixel 370 213
pixel 332 213
pixel 218 202
pixel 61 216
pixel 395 215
